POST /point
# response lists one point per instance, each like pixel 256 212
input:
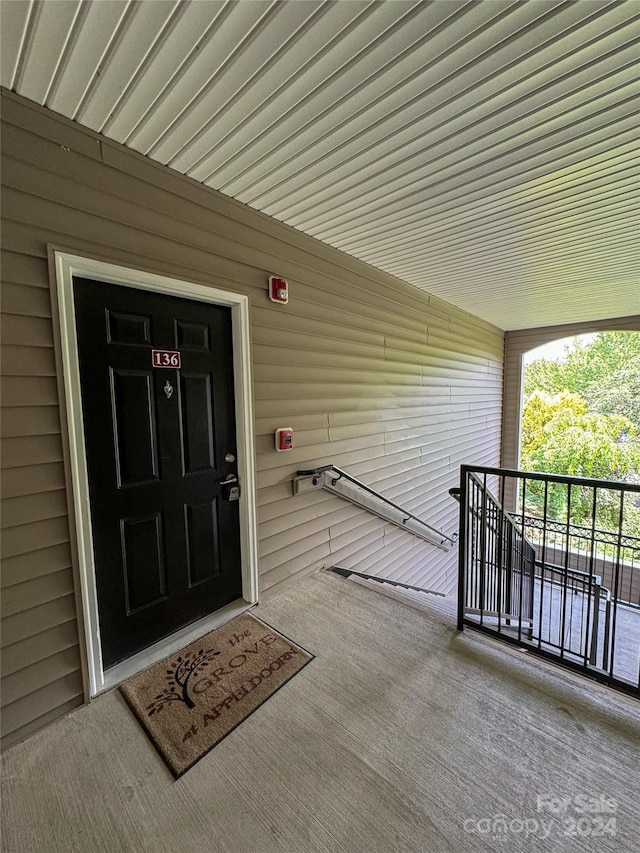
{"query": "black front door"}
pixel 160 443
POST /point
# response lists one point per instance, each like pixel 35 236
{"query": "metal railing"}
pixel 500 562
pixel 339 482
pixel 550 563
pixel 604 549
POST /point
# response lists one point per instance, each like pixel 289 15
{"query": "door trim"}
pixel 67 266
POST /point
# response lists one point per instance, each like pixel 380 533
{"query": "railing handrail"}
pixel 506 514
pixel 346 476
pixel 624 539
pixel 444 541
pixel 597 579
pixel 556 478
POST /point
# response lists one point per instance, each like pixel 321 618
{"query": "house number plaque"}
pixel 165 358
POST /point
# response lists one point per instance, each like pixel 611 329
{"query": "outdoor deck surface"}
pixel 402 735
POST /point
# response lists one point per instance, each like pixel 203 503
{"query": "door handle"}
pixel 230 488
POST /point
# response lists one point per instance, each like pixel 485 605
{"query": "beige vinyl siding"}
pixel 517 343
pixel 375 376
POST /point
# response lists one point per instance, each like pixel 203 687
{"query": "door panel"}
pixel 128 329
pixel 198 450
pixel 143 561
pixel 166 539
pixel 134 420
pixel 192 336
pixel 202 534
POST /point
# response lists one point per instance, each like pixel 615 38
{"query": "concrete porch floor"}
pixel 402 735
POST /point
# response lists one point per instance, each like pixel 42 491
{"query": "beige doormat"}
pixel 190 701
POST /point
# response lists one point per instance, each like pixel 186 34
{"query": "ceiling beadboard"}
pixel 486 152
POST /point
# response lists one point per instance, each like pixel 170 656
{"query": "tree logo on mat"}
pixel 178 679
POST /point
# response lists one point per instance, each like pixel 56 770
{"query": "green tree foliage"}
pixel 582 417
pixel 604 371
pixel 539 411
pixel 560 436
pixel 622 394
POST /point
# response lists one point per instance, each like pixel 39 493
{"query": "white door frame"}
pixel 66 266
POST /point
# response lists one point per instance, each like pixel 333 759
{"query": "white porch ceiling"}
pixel 486 152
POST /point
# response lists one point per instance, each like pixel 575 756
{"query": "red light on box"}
pixel 278 289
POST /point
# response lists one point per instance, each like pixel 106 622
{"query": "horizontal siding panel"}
pixel 39 648
pixel 26 509
pixel 159 231
pixel 270 497
pixel 373 360
pixel 32 479
pixel 30 420
pixel 297 377
pixel 431 343
pixel 31 450
pixel 360 526
pixel 29 241
pixel 62 134
pixel 402 463
pixel 37 619
pixel 113 190
pixel 356 553
pixel 267 426
pixel 29 391
pixel 21 269
pixel 41 707
pixel 461 456
pixel 306 441
pixel 35 564
pixel 23 596
pixel 295 525
pixel 354 431
pixel 271 323
pixel 25 301
pixel 314 340
pixel 269 590
pixel 28 361
pixel 290 526
pixel 23 732
pixel 353 312
pixel 329 391
pixel 321 314
pixel 34 536
pixel 295 569
pixel 401 489
pixel 440 403
pixel 34 677
pixel 26 331
pixel 296 512
pixel 395 550
pixel 438 359
pixel 340 453
pixel 295 550
pixel 366 400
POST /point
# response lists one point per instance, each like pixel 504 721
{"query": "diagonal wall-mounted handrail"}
pixel 339 482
